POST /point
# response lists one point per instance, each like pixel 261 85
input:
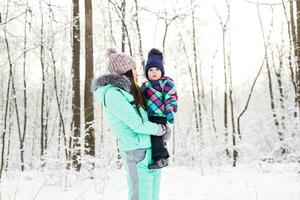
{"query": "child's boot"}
pixel 163 162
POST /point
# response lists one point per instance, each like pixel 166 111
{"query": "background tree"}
pixel 89 75
pixel 76 155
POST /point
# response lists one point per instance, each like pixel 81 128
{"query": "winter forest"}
pixel 236 67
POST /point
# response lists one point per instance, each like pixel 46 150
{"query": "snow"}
pixel 258 181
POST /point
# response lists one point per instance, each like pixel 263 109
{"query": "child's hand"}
pixel 170 115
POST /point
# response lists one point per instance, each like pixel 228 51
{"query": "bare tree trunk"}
pixel 5 123
pixel 8 95
pixel 89 74
pixel 298 56
pixel 293 27
pixel 22 139
pixel 199 99
pixel 200 139
pixel 59 141
pixel 112 38
pixel 232 116
pixel 21 148
pixel 196 113
pixel 292 52
pixel 35 132
pixel 234 140
pixel 295 35
pixel 272 102
pixel 62 128
pixel 123 15
pixel 165 33
pixel 167 22
pixel 48 104
pixel 174 142
pixel 198 68
pixel 42 143
pixel 270 84
pixel 212 96
pixel 224 26
pixel 139 33
pixel 32 149
pixel 248 99
pixel 121 12
pixel 9 137
pixel 14 95
pixel 76 156
pixel 282 97
pixel 292 42
pixel 225 96
pixel 67 139
pixel 59 107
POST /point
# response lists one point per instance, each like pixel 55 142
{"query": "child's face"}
pixel 154 74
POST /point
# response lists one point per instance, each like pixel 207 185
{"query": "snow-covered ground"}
pixel 246 182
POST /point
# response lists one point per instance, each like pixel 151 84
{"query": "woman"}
pixel 123 105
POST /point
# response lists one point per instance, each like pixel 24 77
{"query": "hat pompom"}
pixel 110 51
pixel 155 52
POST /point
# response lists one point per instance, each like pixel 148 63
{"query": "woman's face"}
pixel 135 74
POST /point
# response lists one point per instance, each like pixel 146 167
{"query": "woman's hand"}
pixel 162 130
pixel 167 135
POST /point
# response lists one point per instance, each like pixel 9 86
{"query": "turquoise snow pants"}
pixel 143 183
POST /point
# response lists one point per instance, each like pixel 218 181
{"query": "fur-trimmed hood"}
pixel 120 81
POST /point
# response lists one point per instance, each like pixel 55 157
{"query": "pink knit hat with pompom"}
pixel 119 63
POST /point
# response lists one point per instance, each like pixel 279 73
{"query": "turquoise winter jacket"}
pixel 132 132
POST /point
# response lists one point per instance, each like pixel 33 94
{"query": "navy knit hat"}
pixel 155 59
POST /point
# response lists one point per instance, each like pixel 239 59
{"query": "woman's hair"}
pixel 138 97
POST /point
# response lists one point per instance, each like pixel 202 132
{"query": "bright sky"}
pixel 246 37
